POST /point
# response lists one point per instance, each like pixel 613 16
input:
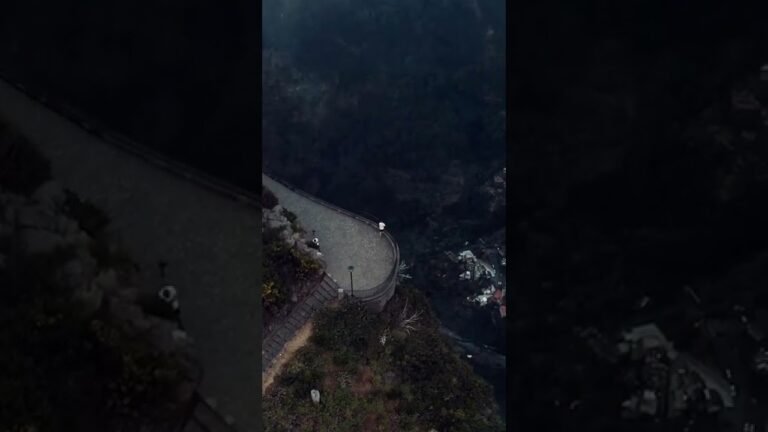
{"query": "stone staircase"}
pixel 205 418
pixel 324 293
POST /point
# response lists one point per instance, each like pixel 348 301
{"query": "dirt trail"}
pixel 299 340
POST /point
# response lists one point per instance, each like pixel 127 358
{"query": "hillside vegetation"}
pixel 78 352
pixel 289 270
pixel 391 371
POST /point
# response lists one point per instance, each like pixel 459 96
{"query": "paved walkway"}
pixel 212 244
pixel 344 241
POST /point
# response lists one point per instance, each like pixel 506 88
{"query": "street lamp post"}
pixel 351 285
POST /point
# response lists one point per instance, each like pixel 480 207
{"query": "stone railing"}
pixel 375 297
pixel 191 404
pixel 106 134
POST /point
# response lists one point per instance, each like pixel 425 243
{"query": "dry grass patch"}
pixel 293 345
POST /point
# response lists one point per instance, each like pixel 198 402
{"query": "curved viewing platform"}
pixel 346 239
pixel 208 232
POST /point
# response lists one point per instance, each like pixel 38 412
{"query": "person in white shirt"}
pixel 169 295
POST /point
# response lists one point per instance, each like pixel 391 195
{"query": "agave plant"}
pixel 407 321
pixel 345 380
pixel 401 274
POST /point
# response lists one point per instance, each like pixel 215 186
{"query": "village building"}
pixel 483 269
pixel 467 256
pixel 645 337
pixel 645 402
pixel 680 381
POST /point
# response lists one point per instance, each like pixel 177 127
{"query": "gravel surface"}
pixel 212 245
pixel 344 241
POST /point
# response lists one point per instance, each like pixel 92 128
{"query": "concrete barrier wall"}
pixel 249 198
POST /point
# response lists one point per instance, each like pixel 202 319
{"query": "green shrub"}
pixel 90 218
pixel 344 358
pixel 434 387
pixel 348 328
pixel 302 375
pixel 63 372
pixel 269 292
pixel 307 268
pixel 291 216
pixel 143 379
pixel 268 199
pixel 284 268
pixel 22 167
pixel 36 273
